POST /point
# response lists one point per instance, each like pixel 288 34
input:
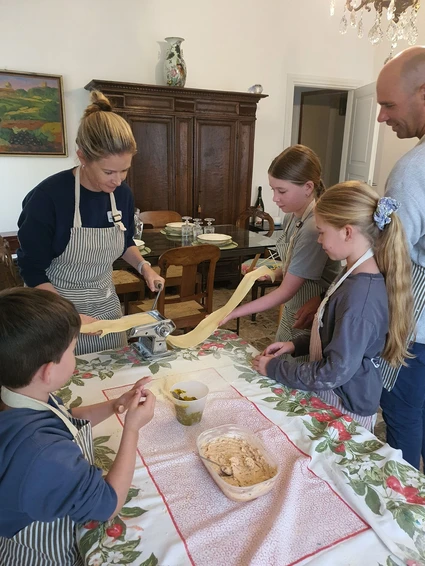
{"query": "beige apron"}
pixel 40 543
pixel 316 351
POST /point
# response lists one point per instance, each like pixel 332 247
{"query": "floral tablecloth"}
pixel 383 497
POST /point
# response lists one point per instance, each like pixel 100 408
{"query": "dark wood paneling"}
pixel 214 178
pixel 152 173
pixel 195 147
pixel 184 166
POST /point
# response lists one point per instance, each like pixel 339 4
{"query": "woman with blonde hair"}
pixel 76 223
pixel 367 313
pixel 295 179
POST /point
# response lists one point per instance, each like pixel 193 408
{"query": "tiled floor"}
pixel 262 333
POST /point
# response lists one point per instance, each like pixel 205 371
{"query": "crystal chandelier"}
pixel 401 17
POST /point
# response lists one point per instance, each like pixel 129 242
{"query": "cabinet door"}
pixel 184 166
pixel 214 171
pixel 152 175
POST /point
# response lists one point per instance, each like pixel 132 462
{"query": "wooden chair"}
pixel 9 276
pixel 192 304
pixel 258 285
pixel 158 218
pixel 127 285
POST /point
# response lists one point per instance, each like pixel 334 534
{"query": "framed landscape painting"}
pixel 31 114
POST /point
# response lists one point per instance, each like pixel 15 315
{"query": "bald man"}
pixel 401 95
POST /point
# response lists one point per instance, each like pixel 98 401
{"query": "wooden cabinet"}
pixel 195 147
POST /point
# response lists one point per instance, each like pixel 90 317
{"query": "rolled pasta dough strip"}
pixel 119 324
pixel 207 326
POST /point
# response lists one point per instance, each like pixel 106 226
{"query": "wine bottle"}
pixel 259 205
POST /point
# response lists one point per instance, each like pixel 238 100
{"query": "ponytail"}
pixel 356 204
pixel 392 257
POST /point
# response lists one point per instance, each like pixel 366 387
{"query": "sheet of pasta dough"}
pixel 207 326
pixel 118 325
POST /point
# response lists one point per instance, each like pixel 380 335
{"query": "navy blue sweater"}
pixel 44 475
pixel 48 215
pixel 355 327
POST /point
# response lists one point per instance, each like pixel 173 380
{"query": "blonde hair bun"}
pixel 99 102
pixel 102 132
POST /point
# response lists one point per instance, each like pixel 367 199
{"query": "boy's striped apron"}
pixel 54 543
pixel 83 274
pixel 316 350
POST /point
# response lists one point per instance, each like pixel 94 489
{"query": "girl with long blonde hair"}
pixel 367 312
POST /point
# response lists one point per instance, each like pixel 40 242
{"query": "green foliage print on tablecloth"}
pixel 389 486
pixel 115 542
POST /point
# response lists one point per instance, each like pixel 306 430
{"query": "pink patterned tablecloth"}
pixel 300 517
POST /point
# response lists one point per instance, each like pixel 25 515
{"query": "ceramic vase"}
pixel 174 65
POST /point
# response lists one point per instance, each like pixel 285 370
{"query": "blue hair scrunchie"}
pixel 382 215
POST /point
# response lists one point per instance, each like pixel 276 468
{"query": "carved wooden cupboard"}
pixel 195 147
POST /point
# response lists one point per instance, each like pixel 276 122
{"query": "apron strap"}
pixel 19 401
pixel 116 216
pixel 77 215
pixel 315 340
pixel 334 286
pixel 298 225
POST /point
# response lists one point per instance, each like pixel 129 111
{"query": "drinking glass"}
pixel 187 229
pixel 197 228
pixel 209 229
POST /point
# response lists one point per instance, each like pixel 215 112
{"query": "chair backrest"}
pixel 8 274
pixel 158 218
pixel 189 258
pixel 253 211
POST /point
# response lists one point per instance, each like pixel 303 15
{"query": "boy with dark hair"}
pixel 48 482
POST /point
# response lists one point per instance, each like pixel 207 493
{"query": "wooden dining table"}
pixel 342 497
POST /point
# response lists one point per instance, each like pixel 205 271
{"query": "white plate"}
pixel 214 238
pixel 174 225
pixel 139 243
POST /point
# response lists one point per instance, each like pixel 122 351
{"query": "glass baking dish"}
pixel 233 492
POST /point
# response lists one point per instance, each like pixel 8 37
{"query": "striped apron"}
pixel 83 274
pixel 40 543
pixel 316 351
pixel 308 290
pixel 390 373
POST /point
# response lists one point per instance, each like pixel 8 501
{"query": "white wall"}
pixel 229 46
pixel 390 148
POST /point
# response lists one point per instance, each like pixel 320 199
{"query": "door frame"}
pixel 330 83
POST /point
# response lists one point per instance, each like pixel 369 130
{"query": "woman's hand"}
pixel 153 280
pixel 85 319
pixel 279 348
pixel 259 363
pixel 122 404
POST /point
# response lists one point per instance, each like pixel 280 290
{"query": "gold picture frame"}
pixel 32 119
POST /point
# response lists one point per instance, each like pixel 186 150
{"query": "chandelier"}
pixel 400 19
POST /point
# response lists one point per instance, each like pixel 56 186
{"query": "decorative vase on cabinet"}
pixel 174 65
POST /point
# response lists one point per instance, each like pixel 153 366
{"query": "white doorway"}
pixel 341 128
pixel 319 123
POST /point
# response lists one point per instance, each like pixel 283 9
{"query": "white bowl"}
pixel 217 239
pixel 139 243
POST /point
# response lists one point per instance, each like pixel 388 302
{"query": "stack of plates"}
pixel 220 240
pixel 174 228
